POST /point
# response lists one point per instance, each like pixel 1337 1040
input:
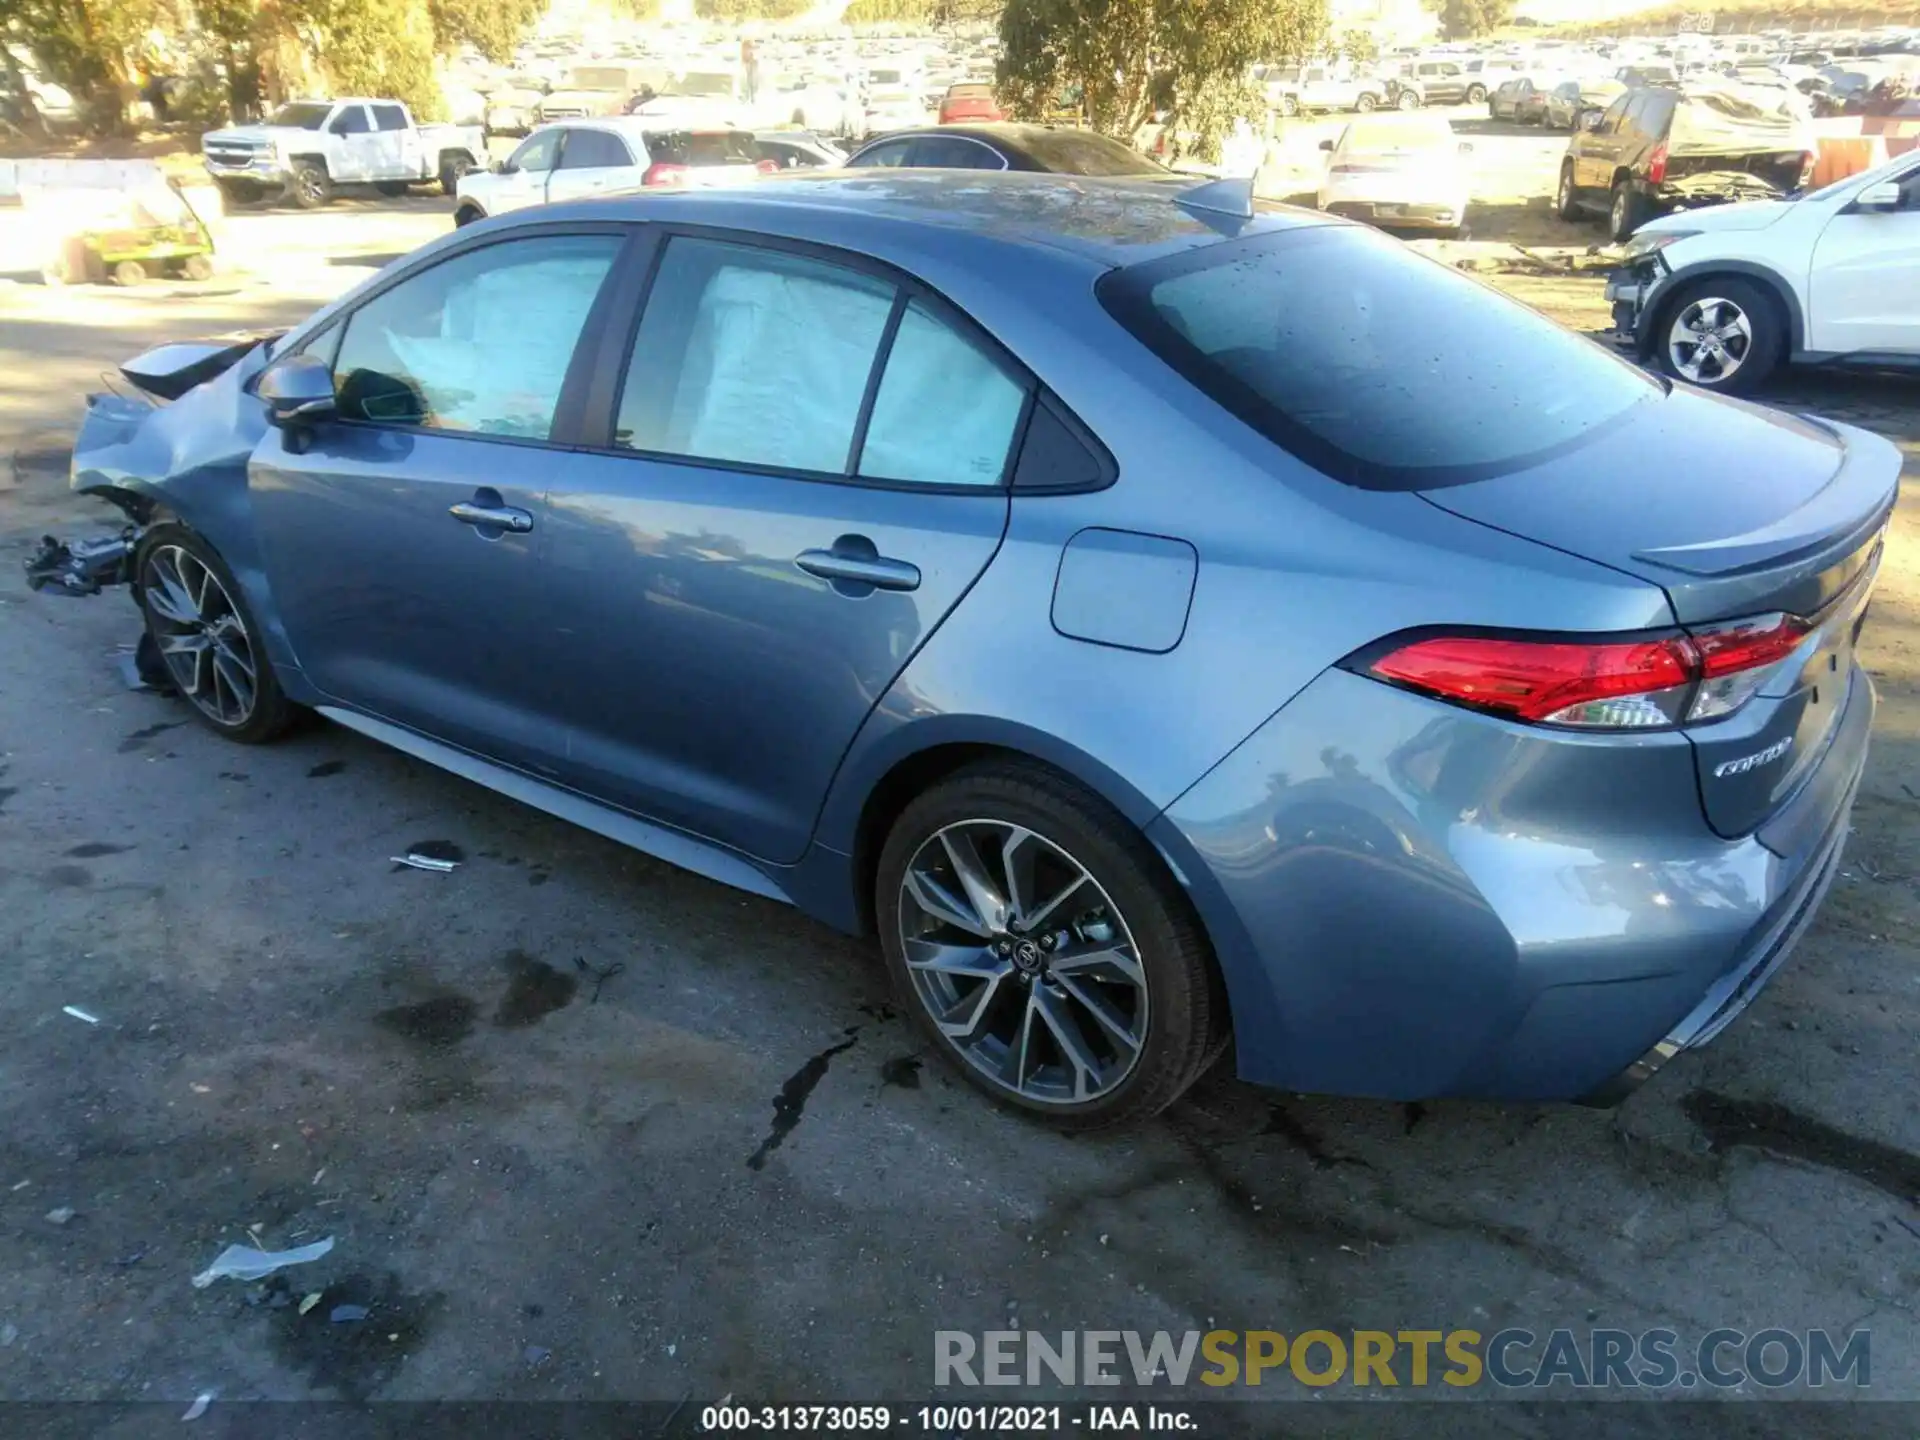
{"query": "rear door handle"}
pixel 877 571
pixel 492 517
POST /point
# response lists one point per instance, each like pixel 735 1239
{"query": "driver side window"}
pixel 1610 122
pixel 478 343
pixel 538 152
pixel 351 121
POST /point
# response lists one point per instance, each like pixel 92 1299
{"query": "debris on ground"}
pixel 348 1314
pixel 77 1013
pixel 309 1300
pixel 598 975
pixel 199 1405
pixel 536 1355
pixel 8 1334
pixel 243 1262
pixel 61 1215
pixel 413 860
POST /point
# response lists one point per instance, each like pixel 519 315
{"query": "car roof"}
pixel 642 125
pixel 899 214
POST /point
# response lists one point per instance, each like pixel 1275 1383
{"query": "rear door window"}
pixel 953 152
pixel 594 150
pixel 1309 337
pixel 389 117
pixel 888 153
pixel 537 152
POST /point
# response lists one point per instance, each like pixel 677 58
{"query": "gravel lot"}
pixel 724 1168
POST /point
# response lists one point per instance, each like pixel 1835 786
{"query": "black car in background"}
pixel 1657 149
pixel 1052 149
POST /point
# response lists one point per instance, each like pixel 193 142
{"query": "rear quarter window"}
pixel 1378 368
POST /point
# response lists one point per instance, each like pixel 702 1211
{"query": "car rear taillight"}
pixel 766 167
pixel 1638 683
pixel 1657 164
pixel 664 174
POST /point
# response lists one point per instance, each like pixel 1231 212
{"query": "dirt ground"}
pixel 583 1126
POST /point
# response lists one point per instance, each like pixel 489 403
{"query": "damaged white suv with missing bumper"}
pixel 1721 297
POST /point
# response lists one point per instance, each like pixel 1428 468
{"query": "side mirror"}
pixel 1879 198
pixel 1590 121
pixel 298 390
pixel 1326 144
pixel 504 167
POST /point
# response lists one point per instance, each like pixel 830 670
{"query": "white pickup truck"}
pixel 307 148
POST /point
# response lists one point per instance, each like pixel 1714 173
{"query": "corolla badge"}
pixel 1753 761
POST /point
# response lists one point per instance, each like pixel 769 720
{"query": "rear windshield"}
pixel 705 147
pixel 1373 365
pixel 1080 152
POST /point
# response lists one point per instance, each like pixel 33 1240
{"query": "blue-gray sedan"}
pixel 1161 624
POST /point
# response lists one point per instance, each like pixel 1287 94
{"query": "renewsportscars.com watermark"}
pixel 1509 1359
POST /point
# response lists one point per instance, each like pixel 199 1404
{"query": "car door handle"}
pixel 492 517
pixel 877 570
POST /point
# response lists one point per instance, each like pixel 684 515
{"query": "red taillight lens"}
pixel 766 167
pixel 664 174
pixel 1625 684
pixel 1657 165
pixel 1642 683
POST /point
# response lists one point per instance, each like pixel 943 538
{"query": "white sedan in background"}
pixel 1397 170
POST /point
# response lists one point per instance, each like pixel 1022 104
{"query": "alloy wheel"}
pixel 201 636
pixel 1023 962
pixel 1710 339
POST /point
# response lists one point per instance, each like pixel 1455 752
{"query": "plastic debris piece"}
pixel 537 1354
pixel 8 1334
pixel 77 1013
pixel 199 1405
pixel 243 1262
pixel 309 1300
pixel 61 1215
pixel 348 1314
pixel 414 861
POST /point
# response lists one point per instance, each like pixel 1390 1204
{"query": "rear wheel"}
pixel 1476 95
pixel 1365 104
pixel 467 214
pixel 206 637
pixel 197 267
pixel 129 272
pixel 1289 106
pixel 1721 333
pixel 1408 100
pixel 452 167
pixel 1627 212
pixel 1043 950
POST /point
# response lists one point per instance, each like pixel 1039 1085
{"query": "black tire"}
pixel 1476 95
pixel 1289 106
pixel 197 267
pixel 392 189
pixel 1566 203
pixel 129 273
pixel 1365 104
pixel 1765 320
pixel 311 186
pixel 467 214
pixel 270 714
pixel 1407 101
pixel 452 167
pixel 1186 1013
pixel 1626 211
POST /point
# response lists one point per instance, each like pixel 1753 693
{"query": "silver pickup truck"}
pixel 307 148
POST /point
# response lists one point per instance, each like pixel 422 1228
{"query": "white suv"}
pixel 1719 297
pixel 577 159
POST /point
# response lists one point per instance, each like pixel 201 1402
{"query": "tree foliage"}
pixel 493 27
pixel 1120 61
pixel 734 11
pixel 1470 19
pixel 1358 47
pixel 888 12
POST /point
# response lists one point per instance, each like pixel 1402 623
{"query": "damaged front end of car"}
pixel 183 437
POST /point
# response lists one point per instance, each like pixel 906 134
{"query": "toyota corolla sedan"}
pixel 1102 594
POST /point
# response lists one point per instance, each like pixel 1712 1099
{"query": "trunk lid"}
pixel 1734 511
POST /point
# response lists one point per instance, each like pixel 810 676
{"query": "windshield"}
pixel 1080 152
pixel 302 115
pixel 1308 336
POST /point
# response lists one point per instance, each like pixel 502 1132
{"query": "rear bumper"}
pixel 1410 214
pixel 1410 901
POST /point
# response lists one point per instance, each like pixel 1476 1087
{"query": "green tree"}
pixel 889 12
pixel 89 47
pixel 1120 61
pixel 734 11
pixel 1359 47
pixel 493 27
pixel 1470 19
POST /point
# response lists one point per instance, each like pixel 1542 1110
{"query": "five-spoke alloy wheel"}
pixel 1041 945
pixel 1720 333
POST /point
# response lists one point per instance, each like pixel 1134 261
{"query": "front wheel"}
pixel 1627 212
pixel 207 638
pixel 1044 951
pixel 1476 95
pixel 1289 107
pixel 1408 100
pixel 1365 104
pixel 1721 334
pixel 311 186
pixel 1565 203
